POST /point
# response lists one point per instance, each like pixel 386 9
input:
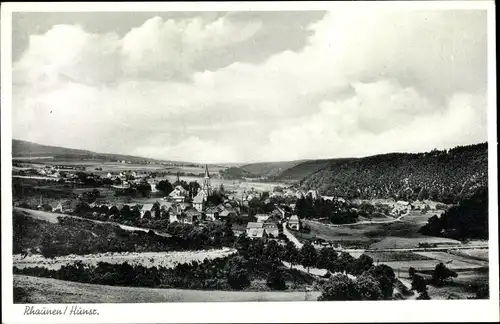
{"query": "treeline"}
pixel 79 236
pixel 446 176
pixel 256 261
pixel 468 219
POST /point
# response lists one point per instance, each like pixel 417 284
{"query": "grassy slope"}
pixel 48 291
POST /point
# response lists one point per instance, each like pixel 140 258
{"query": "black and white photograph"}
pixel 248 155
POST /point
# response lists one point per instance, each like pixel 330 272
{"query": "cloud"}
pixel 158 49
pixel 399 81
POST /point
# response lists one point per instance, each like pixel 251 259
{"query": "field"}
pixel 362 235
pixel 147 259
pixel 52 291
pixel 395 256
pixel 416 216
pixel 478 254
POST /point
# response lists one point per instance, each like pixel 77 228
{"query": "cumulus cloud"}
pixel 158 49
pixel 398 81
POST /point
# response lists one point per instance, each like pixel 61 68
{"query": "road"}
pixel 291 237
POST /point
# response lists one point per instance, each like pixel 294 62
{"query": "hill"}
pixel 236 173
pixel 445 176
pixel 269 169
pixel 26 149
pixel 303 169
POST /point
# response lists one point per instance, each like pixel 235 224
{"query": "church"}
pixel 200 200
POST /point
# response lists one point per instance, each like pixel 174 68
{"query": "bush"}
pixel 276 280
pixel 341 288
pixel 237 273
pixel 368 288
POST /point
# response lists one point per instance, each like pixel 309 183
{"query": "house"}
pixel 255 230
pixel 261 218
pixel 331 198
pixel 178 194
pixel 192 215
pixel 276 194
pixel 200 200
pixel 147 208
pixel 57 207
pixel 313 193
pixel 294 223
pixel 299 194
pixel 270 226
pixel 228 212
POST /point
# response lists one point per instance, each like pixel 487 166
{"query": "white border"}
pixel 387 311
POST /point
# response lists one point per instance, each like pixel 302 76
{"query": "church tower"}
pixel 206 181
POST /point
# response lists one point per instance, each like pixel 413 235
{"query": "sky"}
pixel 251 86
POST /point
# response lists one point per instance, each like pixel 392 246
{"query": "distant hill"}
pixel 233 173
pixel 269 169
pixel 27 149
pixel 446 176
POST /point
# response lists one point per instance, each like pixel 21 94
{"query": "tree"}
pixel 237 272
pixel 326 258
pixel 126 213
pixel 291 254
pixel 411 272
pixel 156 210
pixel 418 284
pixel 341 288
pixel 442 273
pixel 272 253
pixel 361 264
pixel 114 211
pixel 368 288
pixel 276 279
pixel 308 255
pixel 343 263
pixel 165 187
pixel 385 277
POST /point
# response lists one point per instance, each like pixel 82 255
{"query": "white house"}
pixel 147 208
pixel 255 230
pixel 294 223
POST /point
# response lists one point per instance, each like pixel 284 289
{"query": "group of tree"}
pixel 374 283
pixel 446 176
pixel 440 276
pixel 468 219
pixel 336 212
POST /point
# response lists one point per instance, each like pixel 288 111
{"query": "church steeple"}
pixel 206 180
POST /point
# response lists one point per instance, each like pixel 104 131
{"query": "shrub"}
pixel 340 287
pixel 276 280
pixel 237 273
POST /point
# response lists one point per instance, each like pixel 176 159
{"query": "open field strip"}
pixel 451 258
pixel 53 291
pixel 472 253
pixel 147 259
